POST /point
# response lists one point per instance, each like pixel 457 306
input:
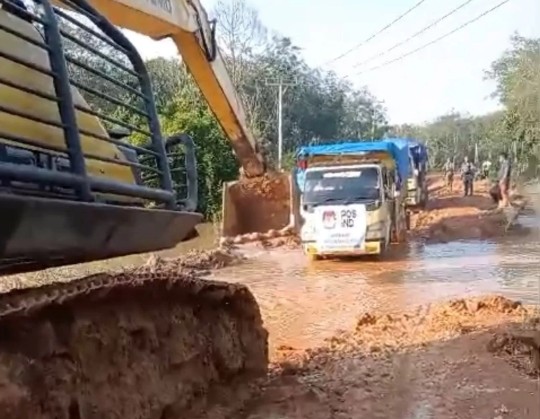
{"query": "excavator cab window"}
pixel 76 96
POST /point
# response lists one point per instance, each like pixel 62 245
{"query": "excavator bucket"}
pixel 258 205
pixel 72 187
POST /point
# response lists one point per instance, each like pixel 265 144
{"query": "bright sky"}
pixel 442 77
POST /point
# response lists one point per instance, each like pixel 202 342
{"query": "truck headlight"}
pixel 308 232
pixel 375 231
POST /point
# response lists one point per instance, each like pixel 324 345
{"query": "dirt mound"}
pixel 521 349
pixel 257 205
pixel 450 216
pixel 271 238
pixel 149 343
pixel 291 241
pixel 388 333
pixel 196 260
pixel 429 362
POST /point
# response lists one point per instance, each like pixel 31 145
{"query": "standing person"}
pixel 486 167
pixel 504 179
pixel 449 174
pixel 467 176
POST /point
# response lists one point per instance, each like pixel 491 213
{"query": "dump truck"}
pixel 351 198
pixel 417 188
pixel 76 187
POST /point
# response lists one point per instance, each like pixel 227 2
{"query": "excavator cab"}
pixel 79 180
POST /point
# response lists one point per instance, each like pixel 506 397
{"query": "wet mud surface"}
pixel 303 303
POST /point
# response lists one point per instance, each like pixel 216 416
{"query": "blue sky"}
pixel 445 76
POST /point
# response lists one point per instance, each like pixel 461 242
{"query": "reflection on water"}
pixel 304 303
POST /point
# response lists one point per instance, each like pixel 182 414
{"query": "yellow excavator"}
pixel 73 189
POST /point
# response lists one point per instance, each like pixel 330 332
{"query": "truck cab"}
pixel 351 206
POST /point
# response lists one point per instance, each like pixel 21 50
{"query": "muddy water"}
pixel 304 303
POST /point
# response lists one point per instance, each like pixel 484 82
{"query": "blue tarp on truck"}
pixel 399 154
pixel 418 149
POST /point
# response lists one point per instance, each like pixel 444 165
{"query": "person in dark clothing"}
pixel 495 193
pixel 449 173
pixel 504 179
pixel 467 176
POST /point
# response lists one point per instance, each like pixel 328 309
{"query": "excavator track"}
pixel 154 342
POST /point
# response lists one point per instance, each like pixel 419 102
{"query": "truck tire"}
pixel 313 257
pixel 399 230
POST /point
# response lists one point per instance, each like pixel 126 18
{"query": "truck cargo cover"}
pixel 399 153
pixel 417 148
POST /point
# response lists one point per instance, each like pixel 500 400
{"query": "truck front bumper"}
pixel 371 247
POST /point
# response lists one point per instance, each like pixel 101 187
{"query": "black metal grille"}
pixel 85 51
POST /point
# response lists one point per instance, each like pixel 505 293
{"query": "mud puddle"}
pixel 303 304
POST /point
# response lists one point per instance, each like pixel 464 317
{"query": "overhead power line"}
pixel 420 32
pixel 440 38
pixel 339 57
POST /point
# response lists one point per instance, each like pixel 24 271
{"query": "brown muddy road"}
pixel 442 360
pixel 304 303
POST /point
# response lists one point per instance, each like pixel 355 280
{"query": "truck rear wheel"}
pixel 399 230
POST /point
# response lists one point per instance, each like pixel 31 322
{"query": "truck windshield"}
pixel 352 184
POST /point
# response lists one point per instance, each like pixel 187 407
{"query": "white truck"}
pixel 351 198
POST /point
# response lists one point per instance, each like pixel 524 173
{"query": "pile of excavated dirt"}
pixel 437 361
pixel 199 260
pixel 257 205
pixel 271 186
pixel 521 349
pixel 450 216
pixel 155 342
pixel 271 238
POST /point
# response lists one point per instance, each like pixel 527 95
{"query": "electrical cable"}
pixel 339 57
pixel 421 31
pixel 440 38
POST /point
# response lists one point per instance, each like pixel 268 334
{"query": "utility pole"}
pixel 373 124
pixel 282 85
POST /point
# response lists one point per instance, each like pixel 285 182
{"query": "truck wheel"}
pixel 394 238
pixel 313 257
pixel 401 229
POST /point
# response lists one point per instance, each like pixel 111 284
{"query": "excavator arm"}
pixel 260 202
pixel 256 205
pixel 63 171
pixel 187 24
